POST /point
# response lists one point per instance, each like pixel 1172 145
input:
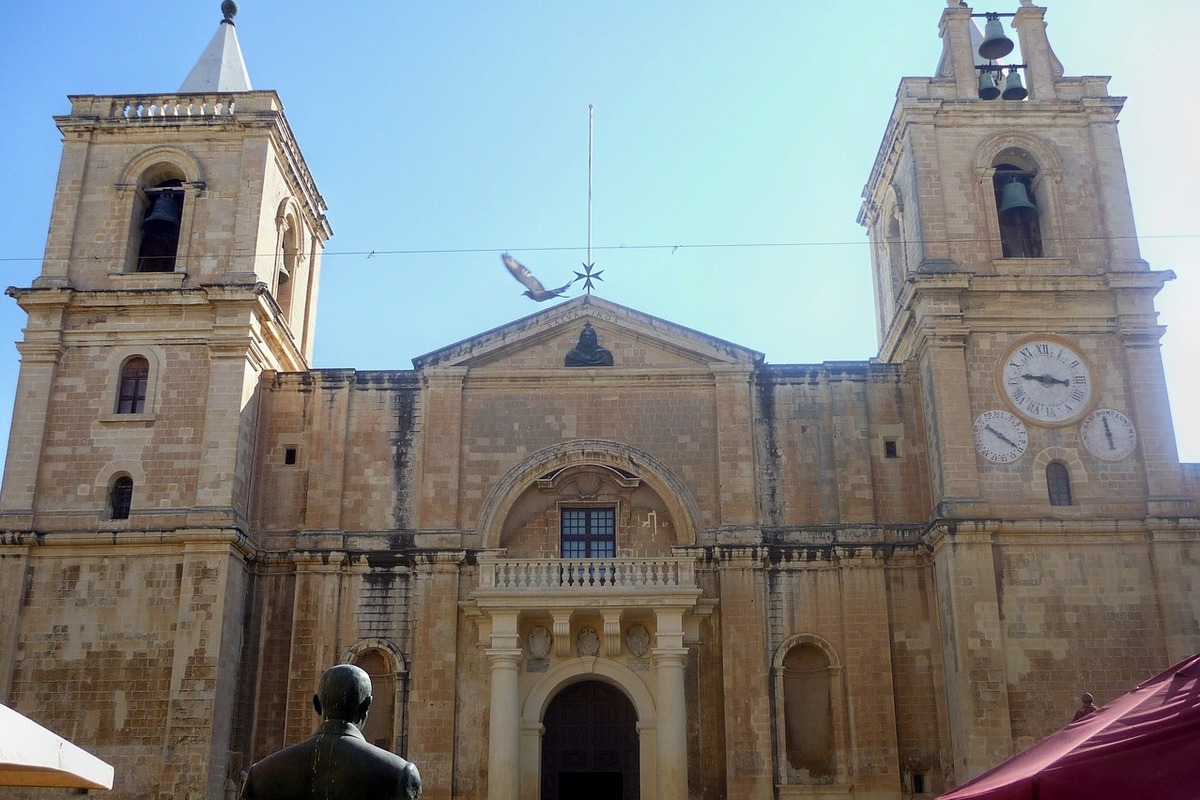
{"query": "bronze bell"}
pixel 988 90
pixel 164 216
pixel 996 43
pixel 1013 88
pixel 1015 205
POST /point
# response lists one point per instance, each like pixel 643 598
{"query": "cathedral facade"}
pixel 593 553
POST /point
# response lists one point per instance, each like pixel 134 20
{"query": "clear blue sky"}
pixel 458 126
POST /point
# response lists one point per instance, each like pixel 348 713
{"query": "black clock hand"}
pixel 1046 380
pixel 1108 433
pixel 999 436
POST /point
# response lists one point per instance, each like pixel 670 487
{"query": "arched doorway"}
pixel 590 745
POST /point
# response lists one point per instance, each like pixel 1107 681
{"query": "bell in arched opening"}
pixel 1015 206
pixel 164 217
pixel 1017 212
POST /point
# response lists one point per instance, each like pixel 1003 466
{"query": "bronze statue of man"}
pixel 336 762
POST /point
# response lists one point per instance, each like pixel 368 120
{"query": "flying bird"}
pixel 534 288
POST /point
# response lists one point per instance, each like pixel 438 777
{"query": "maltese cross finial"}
pixel 587 276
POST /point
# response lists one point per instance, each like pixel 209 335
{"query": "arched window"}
pixel 1016 205
pixel 379 729
pixel 120 497
pixel 1058 483
pixel 131 389
pixel 159 226
pixel 808 714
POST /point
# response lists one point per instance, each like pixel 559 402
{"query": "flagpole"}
pixel 591 131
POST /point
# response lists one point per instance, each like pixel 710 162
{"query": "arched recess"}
pixel 585 669
pixel 1081 487
pixel 386 725
pixel 589 452
pixel 151 174
pixel 891 256
pixel 1041 166
pixel 839 721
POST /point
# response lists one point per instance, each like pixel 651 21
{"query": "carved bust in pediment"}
pixel 587 352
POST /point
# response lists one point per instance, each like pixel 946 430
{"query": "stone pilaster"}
pixel 438 503
pixel 314 643
pixel 735 445
pixel 746 669
pixel 976 678
pixel 434 672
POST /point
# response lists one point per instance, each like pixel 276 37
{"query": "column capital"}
pixel 500 657
pixel 669 656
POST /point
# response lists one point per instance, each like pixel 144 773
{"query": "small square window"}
pixel 891 449
pixel 289 456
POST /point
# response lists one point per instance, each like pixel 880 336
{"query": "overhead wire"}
pixel 375 253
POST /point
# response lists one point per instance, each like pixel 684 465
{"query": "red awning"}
pixel 1143 744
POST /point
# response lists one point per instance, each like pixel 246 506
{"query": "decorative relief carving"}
pixel 588 485
pixel 637 664
pixel 539 642
pixel 588 641
pixel 637 639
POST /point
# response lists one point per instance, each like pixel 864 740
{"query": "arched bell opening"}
pixel 158 229
pixel 289 259
pixel 1014 183
pixel 590 746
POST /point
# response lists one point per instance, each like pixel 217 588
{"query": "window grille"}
pixel 589 533
pixel 1058 484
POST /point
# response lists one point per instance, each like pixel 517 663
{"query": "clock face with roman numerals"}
pixel 1047 380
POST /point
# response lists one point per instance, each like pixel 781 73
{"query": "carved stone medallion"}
pixel 637 639
pixel 588 641
pixel 539 642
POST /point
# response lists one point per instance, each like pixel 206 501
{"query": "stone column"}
pixel 672 723
pixel 504 730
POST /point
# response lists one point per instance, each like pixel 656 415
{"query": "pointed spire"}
pixel 221 67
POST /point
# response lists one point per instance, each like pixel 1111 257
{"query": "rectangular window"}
pixel 589 532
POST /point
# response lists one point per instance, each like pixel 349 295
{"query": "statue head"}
pixel 344 694
pixel 587 337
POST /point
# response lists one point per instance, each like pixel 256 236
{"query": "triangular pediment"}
pixel 635 339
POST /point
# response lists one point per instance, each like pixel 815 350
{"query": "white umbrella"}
pixel 30 755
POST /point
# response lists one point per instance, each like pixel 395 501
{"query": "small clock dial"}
pixel 1000 436
pixel 1108 434
pixel 1047 380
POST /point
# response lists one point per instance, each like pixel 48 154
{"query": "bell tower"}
pixel 182 260
pixel 181 263
pixel 1006 266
